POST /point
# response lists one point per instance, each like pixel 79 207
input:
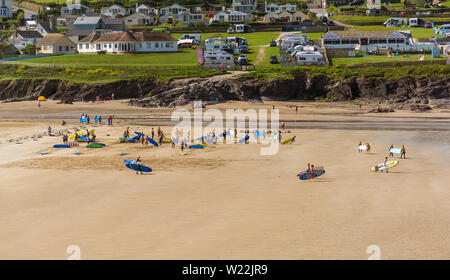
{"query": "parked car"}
pixel 243 59
pixel 243 48
pixel 402 14
pixel 428 24
pixel 330 23
pixel 273 43
pixel 444 29
pixel 273 59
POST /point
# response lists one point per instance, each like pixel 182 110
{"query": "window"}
pixel 156 45
pixel 149 45
pixel 105 46
pixel 80 46
pixel 167 45
pixel 115 46
pixel 87 46
pixel 109 45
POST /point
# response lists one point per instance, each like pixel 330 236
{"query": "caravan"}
pixel 218 46
pixel 416 22
pixel 218 57
pixel 243 28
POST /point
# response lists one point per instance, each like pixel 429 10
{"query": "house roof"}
pixel 87 20
pixel 29 34
pixel 140 14
pixel 91 38
pixel 113 20
pixel 77 32
pixel 49 29
pixel 136 37
pixel 362 33
pixel 54 38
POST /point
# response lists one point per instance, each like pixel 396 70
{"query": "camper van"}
pixel 416 22
pixel 218 57
pixel 194 37
pixel 243 28
pixel 443 30
pixel 238 43
pixel 394 22
pixel 217 46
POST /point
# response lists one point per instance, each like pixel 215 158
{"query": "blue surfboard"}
pixel 211 139
pixel 139 133
pixel 196 147
pixel 132 165
pixel 258 134
pixel 310 175
pixel 395 151
pixel 152 141
pixel 174 140
pixel 61 146
pixel 243 140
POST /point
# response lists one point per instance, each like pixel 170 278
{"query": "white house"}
pixel 139 19
pixel 275 8
pixel 114 10
pixel 366 40
pixel 244 6
pixel 145 9
pixel 231 17
pixel 22 38
pixel 6 8
pixel 128 42
pixel 175 9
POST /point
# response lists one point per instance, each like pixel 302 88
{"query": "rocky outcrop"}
pixel 405 93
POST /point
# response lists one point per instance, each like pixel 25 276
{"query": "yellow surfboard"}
pixel 382 166
pixel 79 133
pixel 287 141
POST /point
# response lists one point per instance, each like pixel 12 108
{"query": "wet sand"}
pixel 226 201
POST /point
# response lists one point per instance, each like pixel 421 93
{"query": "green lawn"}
pixel 374 59
pixel 185 57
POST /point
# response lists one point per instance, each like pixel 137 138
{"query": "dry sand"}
pixel 227 201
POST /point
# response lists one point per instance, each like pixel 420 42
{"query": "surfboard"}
pixel 211 139
pixel 316 172
pixel 174 140
pixel 383 166
pixel 79 133
pixel 83 138
pixel 61 146
pixel 362 147
pixel 196 147
pixel 91 132
pixel 245 139
pixel 132 165
pixel 223 133
pixel 139 133
pixel 258 134
pixel 289 140
pixel 130 140
pixel 152 141
pixel 395 151
pixel 95 145
pixel 44 154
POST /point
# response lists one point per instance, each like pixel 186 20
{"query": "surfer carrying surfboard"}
pixel 403 152
pixel 139 165
pixel 386 164
pixel 391 154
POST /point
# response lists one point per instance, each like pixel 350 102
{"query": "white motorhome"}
pixel 243 28
pixel 394 22
pixel 416 22
pixel 218 57
pixel 443 30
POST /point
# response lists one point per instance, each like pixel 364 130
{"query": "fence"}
pixel 400 63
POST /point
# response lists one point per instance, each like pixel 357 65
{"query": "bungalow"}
pixel 89 23
pixel 144 9
pixel 56 44
pixel 128 42
pixel 75 35
pixel 244 6
pixel 182 17
pixel 298 16
pixel 275 8
pixel 207 7
pixel 76 10
pixel 366 40
pixel 6 8
pixel 270 17
pixel 22 38
pixel 231 17
pixel 66 21
pixel 139 18
pixel 114 11
pixel 285 16
pixel 175 9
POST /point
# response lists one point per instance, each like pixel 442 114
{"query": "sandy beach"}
pixel 225 201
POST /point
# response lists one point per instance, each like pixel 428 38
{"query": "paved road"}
pixel 28 13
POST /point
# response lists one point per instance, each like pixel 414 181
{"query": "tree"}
pixel 29 49
pixel 20 17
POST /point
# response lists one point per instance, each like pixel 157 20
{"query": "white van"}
pixel 444 29
pixel 195 37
